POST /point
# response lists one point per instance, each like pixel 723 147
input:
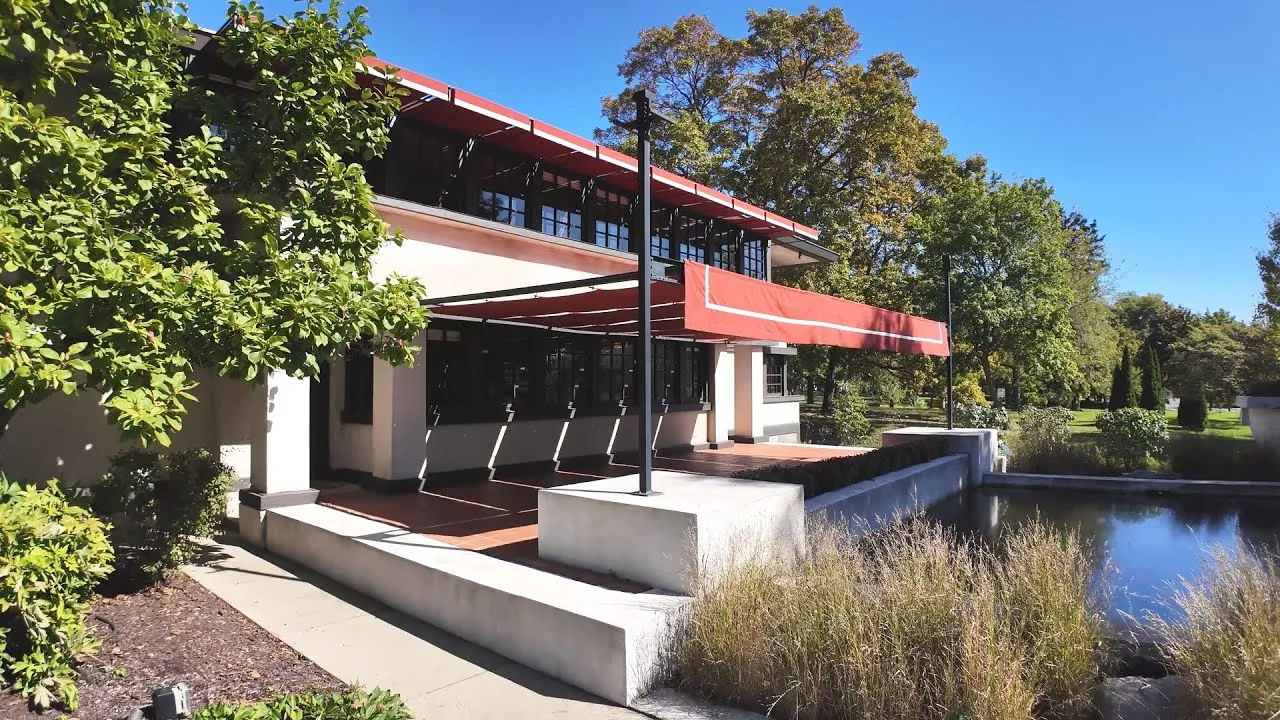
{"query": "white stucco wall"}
pixel 779 418
pixel 350 444
pixel 69 437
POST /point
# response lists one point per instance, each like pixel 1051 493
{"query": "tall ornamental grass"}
pixel 912 622
pixel 1225 639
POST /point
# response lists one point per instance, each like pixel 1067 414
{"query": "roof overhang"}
pixel 710 304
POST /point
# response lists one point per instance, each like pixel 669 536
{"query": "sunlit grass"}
pixel 911 623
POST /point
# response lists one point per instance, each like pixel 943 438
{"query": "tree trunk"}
pixel 989 378
pixel 829 382
pixel 809 388
pixel 1016 403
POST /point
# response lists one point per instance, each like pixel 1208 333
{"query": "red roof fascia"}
pixel 714 303
pixel 669 186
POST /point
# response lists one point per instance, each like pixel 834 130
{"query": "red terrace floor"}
pixel 500 517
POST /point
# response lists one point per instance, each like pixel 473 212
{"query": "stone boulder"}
pixel 1137 698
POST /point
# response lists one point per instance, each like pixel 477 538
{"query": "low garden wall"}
pixel 868 506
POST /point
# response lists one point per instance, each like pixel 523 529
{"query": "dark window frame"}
pixel 357 385
pixel 775 375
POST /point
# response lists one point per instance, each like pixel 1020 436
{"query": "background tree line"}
pixel 790 117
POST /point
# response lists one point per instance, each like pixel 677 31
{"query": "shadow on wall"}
pixel 478 445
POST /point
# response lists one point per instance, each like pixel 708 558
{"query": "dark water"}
pixel 1141 544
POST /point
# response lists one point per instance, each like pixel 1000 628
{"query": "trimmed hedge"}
pixel 825 476
pixel 1193 413
pixel 354 704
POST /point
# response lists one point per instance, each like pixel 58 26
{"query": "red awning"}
pixel 711 304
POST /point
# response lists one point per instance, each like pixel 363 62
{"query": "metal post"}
pixel 951 358
pixel 645 116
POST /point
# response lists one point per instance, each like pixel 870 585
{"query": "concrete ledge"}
pixel 1133 485
pixel 868 506
pixel 606 642
pixel 981 445
pixel 697 523
pixel 267 501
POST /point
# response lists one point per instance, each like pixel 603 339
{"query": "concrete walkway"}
pixel 361 641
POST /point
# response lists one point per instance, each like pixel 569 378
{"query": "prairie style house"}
pixel 527 360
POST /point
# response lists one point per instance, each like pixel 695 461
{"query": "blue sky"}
pixel 1159 120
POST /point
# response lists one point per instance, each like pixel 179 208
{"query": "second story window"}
pixel 693 238
pixel 753 259
pixel 660 232
pixel 561 206
pixel 502 190
pixel 613 220
pixel 722 239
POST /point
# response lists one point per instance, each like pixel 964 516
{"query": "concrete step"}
pixel 607 642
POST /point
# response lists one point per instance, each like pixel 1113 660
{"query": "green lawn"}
pixel 1220 424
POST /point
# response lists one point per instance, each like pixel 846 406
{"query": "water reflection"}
pixel 1143 544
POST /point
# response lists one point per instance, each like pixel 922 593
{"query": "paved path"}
pixel 359 640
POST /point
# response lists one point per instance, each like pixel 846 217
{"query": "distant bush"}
pixel 1066 459
pixel 159 502
pixel 52 557
pixel 968 391
pixel 354 704
pixel 1131 438
pixel 981 416
pixel 1210 457
pixel 818 429
pixel 824 476
pixel 1042 444
pixel 1193 413
pixel 851 424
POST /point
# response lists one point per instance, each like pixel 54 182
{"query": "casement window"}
pixel 447 368
pixel 613 219
pixel 615 371
pixel 775 375
pixel 661 231
pixel 693 237
pixel 722 241
pixel 564 372
pixel 561 206
pixel 503 184
pixel 754 259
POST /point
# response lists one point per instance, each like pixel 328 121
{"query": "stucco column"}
pixel 748 379
pixel 280 453
pixel 400 422
pixel 720 425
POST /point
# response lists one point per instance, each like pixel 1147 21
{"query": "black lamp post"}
pixel 646 114
pixel 951 358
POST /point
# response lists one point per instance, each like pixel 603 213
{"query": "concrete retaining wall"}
pixel 606 642
pixel 868 506
pixel 1132 485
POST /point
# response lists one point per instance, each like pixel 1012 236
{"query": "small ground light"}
pixel 171 702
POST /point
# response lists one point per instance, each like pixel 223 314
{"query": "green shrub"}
pixel 1227 644
pixel 1193 413
pixel 981 416
pixel 1065 459
pixel 52 556
pixel 1132 438
pixel 911 622
pixel 158 503
pixel 1210 457
pixel 852 426
pixel 818 429
pixel 354 704
pixel 831 474
pixel 1043 445
pixel 968 391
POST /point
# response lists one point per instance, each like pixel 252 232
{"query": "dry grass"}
pixel 1227 642
pixel 910 623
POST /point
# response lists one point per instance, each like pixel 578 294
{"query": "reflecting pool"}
pixel 1141 544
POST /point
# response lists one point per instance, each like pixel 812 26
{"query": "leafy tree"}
pixel 156 219
pixel 1211 361
pixel 1269 270
pixel 1124 392
pixel 1152 396
pixel 1152 320
pixel 1010 278
pixel 1097 340
pixel 786 118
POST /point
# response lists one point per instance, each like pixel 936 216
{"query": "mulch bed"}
pixel 178 631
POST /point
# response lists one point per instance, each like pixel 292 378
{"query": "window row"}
pixel 475 371
pixel 463 175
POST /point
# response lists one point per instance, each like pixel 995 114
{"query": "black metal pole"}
pixel 951 358
pixel 644 369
